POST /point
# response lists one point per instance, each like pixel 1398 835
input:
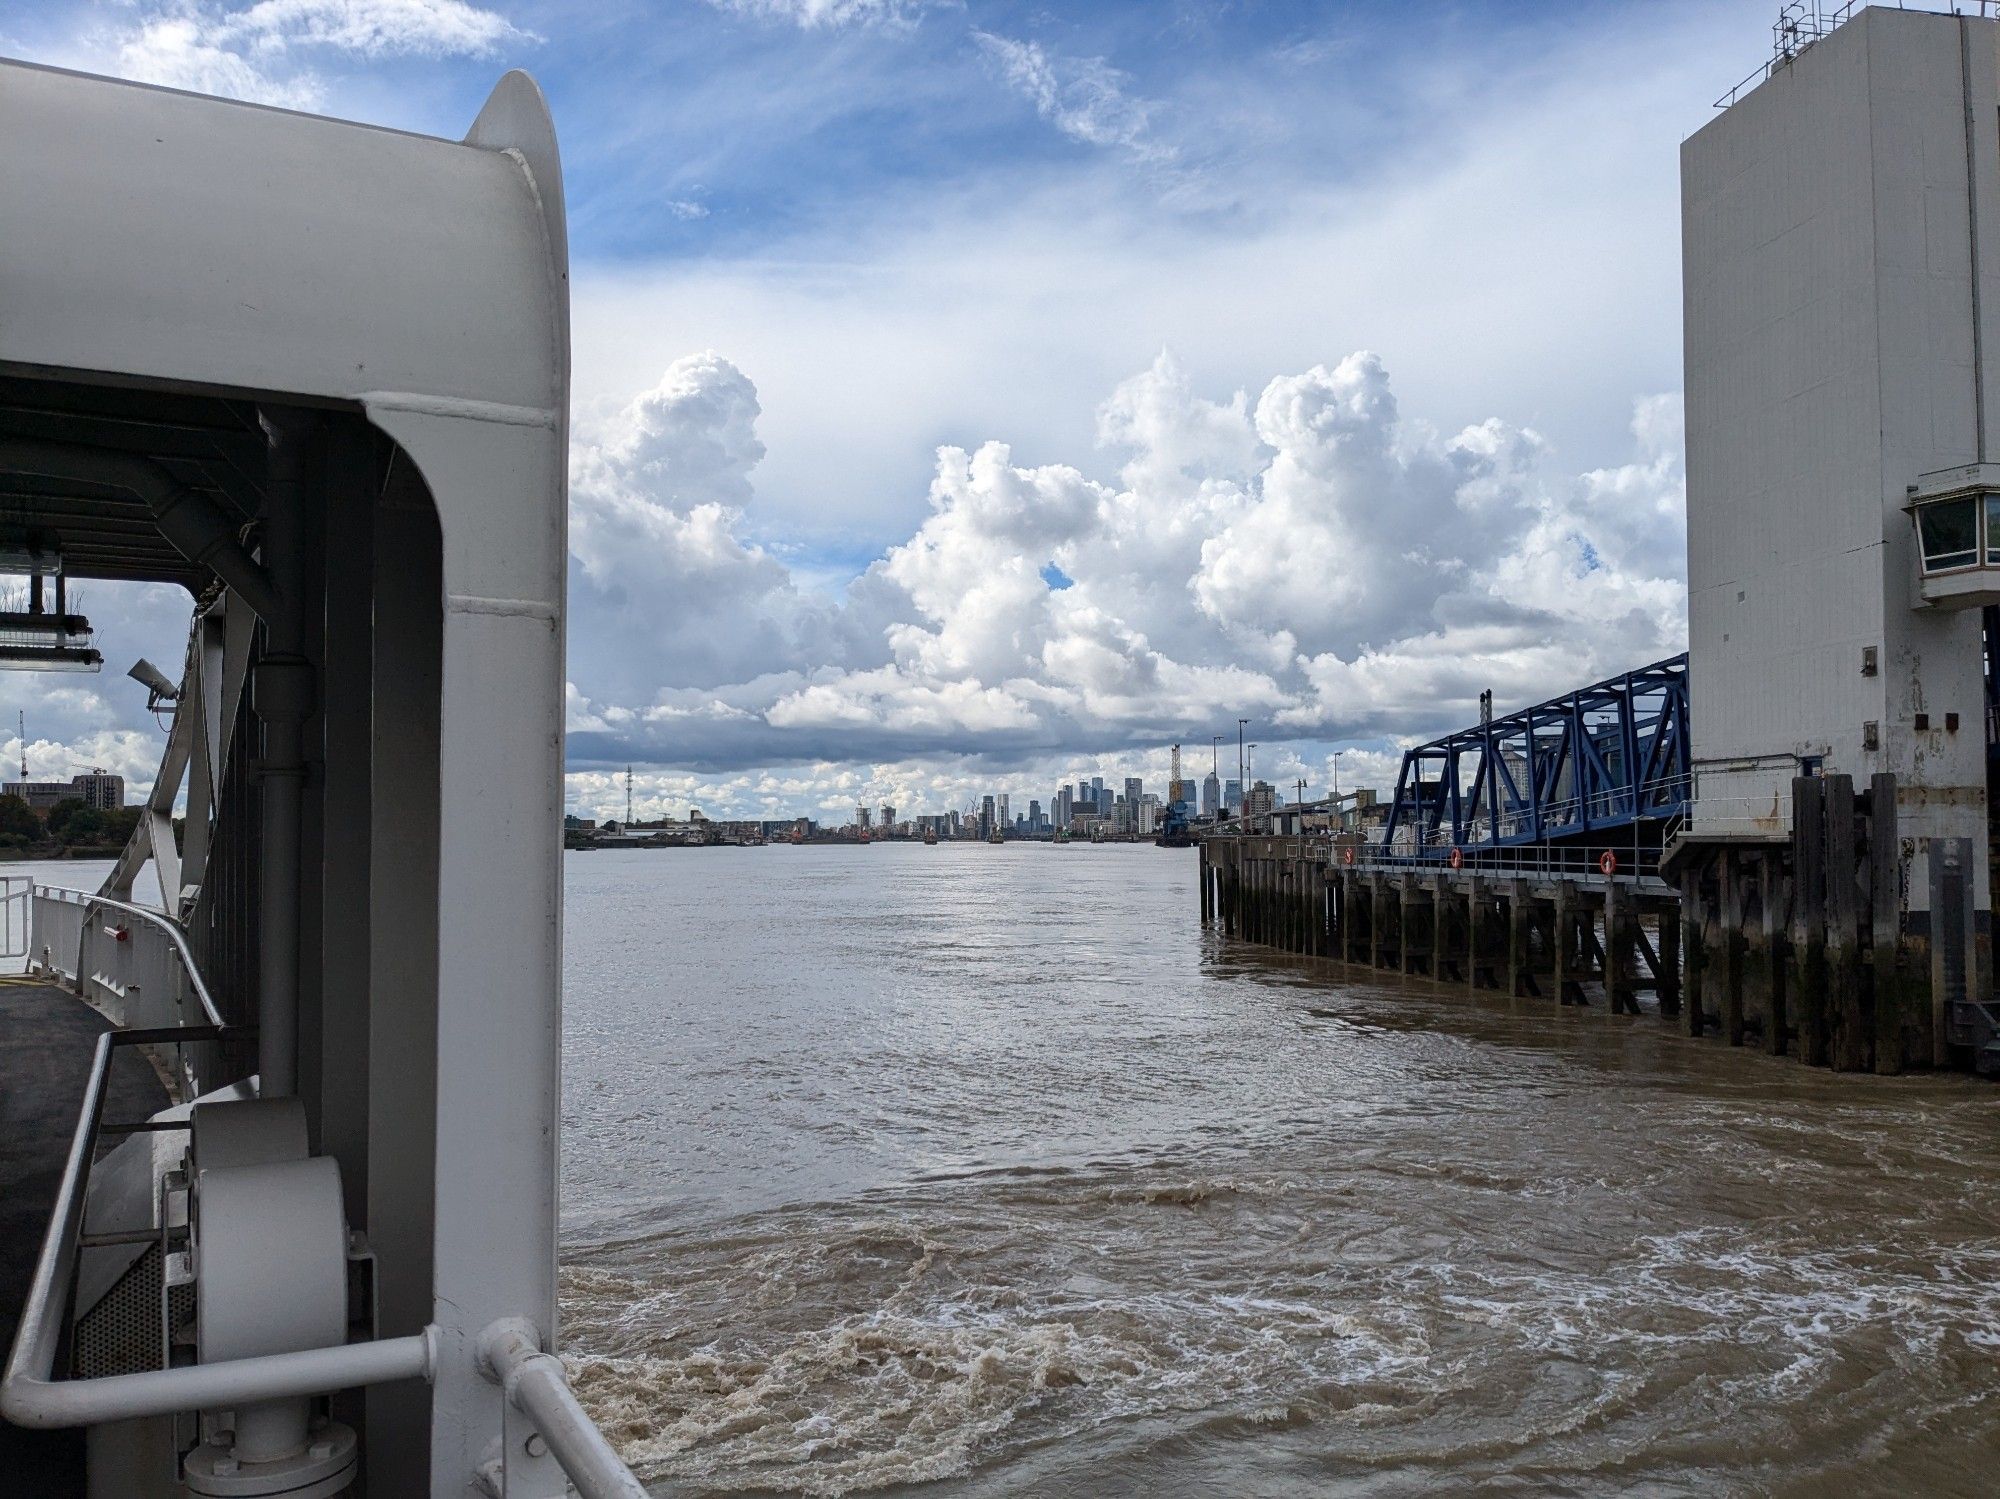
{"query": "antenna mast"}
pixel 628 796
pixel 24 747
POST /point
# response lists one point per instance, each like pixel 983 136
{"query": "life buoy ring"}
pixel 1458 858
pixel 1608 863
pixel 1347 854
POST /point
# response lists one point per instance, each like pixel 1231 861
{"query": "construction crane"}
pixel 1173 822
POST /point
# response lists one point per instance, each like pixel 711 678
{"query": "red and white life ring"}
pixel 1347 854
pixel 1608 863
pixel 1458 858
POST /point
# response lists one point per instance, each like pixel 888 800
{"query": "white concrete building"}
pixel 1841 229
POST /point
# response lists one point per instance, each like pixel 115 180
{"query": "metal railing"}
pixel 30 1395
pixel 1800 24
pixel 1634 863
pixel 134 965
pixel 117 964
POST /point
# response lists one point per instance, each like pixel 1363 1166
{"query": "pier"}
pixel 1799 946
pixel 1785 838
pixel 1558 853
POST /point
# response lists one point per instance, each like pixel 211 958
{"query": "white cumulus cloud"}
pixel 255 52
pixel 1310 558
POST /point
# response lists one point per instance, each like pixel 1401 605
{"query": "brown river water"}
pixel 984 1171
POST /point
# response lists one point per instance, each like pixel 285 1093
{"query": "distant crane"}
pixel 1173 829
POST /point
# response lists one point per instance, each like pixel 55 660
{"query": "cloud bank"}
pixel 1308 557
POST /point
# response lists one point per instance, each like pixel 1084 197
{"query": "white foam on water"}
pixel 937 1366
pixel 840 1350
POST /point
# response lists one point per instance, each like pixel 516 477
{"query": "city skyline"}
pixel 668 796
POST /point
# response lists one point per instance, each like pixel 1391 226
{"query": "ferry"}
pixel 284 1093
pixel 930 838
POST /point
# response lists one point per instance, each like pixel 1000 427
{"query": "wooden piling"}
pixel 1565 945
pixel 1406 892
pixel 1777 958
pixel 1621 939
pixel 1281 904
pixel 1261 902
pixel 1885 871
pixel 1728 936
pixel 1475 910
pixel 1694 953
pixel 1806 981
pixel 1850 1043
pixel 1443 927
pixel 1667 974
pixel 1344 914
pixel 1520 962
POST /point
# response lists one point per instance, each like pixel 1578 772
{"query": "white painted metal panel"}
pixel 162 234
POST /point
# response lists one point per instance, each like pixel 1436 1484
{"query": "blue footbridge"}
pixel 1604 767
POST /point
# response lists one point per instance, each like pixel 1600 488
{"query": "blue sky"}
pixel 1328 354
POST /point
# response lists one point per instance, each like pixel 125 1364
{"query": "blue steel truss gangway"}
pixel 1612 756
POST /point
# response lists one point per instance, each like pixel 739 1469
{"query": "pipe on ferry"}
pixel 283 693
pixel 190 520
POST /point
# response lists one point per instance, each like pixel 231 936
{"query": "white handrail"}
pixel 156 919
pixel 536 1384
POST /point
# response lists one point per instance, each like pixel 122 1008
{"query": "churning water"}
pixel 985 1168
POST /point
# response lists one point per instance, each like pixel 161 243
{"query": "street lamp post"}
pixel 1242 770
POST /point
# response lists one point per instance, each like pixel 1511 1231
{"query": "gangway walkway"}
pixel 1610 756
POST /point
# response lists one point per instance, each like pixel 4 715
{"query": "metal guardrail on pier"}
pixel 133 961
pixel 1635 864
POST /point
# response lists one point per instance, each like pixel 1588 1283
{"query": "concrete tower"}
pixel 1840 300
pixel 1841 256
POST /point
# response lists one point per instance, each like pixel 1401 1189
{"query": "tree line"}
pixel 70 823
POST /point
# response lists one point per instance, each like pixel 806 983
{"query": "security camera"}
pixel 154 681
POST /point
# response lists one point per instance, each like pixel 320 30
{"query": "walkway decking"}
pixel 46 1039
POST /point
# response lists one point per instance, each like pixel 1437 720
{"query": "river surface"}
pixel 984 1171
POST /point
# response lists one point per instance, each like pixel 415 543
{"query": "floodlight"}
pixel 153 680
